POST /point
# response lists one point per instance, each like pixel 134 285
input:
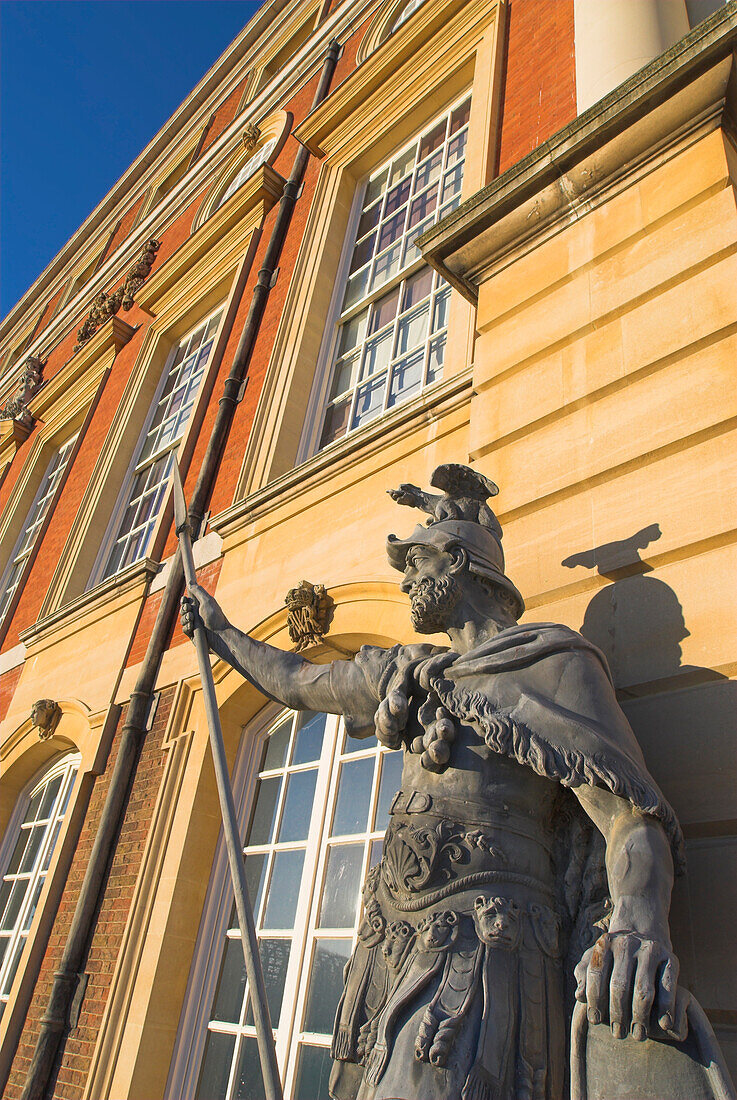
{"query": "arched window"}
pixel 316 824
pixel 244 173
pixel 30 847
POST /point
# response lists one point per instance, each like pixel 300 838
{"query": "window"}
pixel 34 520
pixel 29 862
pixel 319 813
pixel 252 164
pixel 392 327
pixel 409 7
pixel 168 420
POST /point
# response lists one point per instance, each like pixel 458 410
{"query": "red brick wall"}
pixel 207 576
pixel 224 115
pixel 539 95
pixel 108 933
pixel 126 224
pixel 8 683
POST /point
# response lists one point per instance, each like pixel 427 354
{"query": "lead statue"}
pixel 496 906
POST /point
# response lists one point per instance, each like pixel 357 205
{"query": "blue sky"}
pixel 84 86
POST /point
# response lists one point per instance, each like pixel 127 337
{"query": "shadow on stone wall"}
pixel 683 716
pixel 637 621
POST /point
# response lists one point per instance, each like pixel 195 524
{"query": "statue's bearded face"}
pixel 434 592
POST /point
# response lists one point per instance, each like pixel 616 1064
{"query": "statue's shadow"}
pixel 682 716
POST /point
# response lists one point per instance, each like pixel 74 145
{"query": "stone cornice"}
pixel 435 402
pixel 685 90
pixel 321 130
pixel 102 600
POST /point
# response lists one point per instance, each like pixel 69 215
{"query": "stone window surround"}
pixel 446 48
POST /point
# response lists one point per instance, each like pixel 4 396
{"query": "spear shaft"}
pixel 254 972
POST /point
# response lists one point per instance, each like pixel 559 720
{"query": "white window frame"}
pixel 99 571
pixel 319 397
pixel 202 986
pixel 67 766
pixel 43 500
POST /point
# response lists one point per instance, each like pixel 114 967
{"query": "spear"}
pixel 259 1003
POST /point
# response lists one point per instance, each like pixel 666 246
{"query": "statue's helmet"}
pixel 459 518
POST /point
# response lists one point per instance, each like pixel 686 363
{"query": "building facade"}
pixel 379 235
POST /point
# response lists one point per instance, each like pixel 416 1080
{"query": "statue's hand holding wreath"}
pixel 631 982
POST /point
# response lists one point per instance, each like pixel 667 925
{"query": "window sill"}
pixel 435 402
pixel 104 599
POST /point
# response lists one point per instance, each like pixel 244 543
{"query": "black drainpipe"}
pixel 68 979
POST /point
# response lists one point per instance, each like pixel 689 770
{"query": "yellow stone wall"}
pixel 604 406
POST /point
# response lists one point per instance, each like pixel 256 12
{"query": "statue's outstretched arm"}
pixel 630 976
pixel 286 677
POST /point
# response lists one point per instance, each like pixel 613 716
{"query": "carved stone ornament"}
pixel 45 716
pixel 308 607
pixel 251 136
pixel 29 383
pixel 106 305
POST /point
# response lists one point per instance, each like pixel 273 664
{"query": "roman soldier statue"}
pixel 528 864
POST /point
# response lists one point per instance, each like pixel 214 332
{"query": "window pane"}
pixel 433 140
pixel 384 311
pixel 308 742
pixel 354 796
pixel 274 958
pixel 336 421
pixel 375 187
pixel 389 784
pixel 262 824
pixel 398 196
pixel 249 1078
pixel 231 984
pixel 386 266
pixel 281 904
pixel 406 377
pixel 29 856
pixel 276 746
pixel 345 372
pixel 326 984
pixel 437 353
pixel 363 252
pixel 295 820
pixel 352 332
pixel 215 1066
pixel 369 400
pixel 255 878
pixel 15 859
pixel 313 1073
pixel 342 886
pixel 369 220
pixel 378 353
pixel 413 329
pixel 417 288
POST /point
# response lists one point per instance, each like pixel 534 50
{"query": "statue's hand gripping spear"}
pixel 264 1034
